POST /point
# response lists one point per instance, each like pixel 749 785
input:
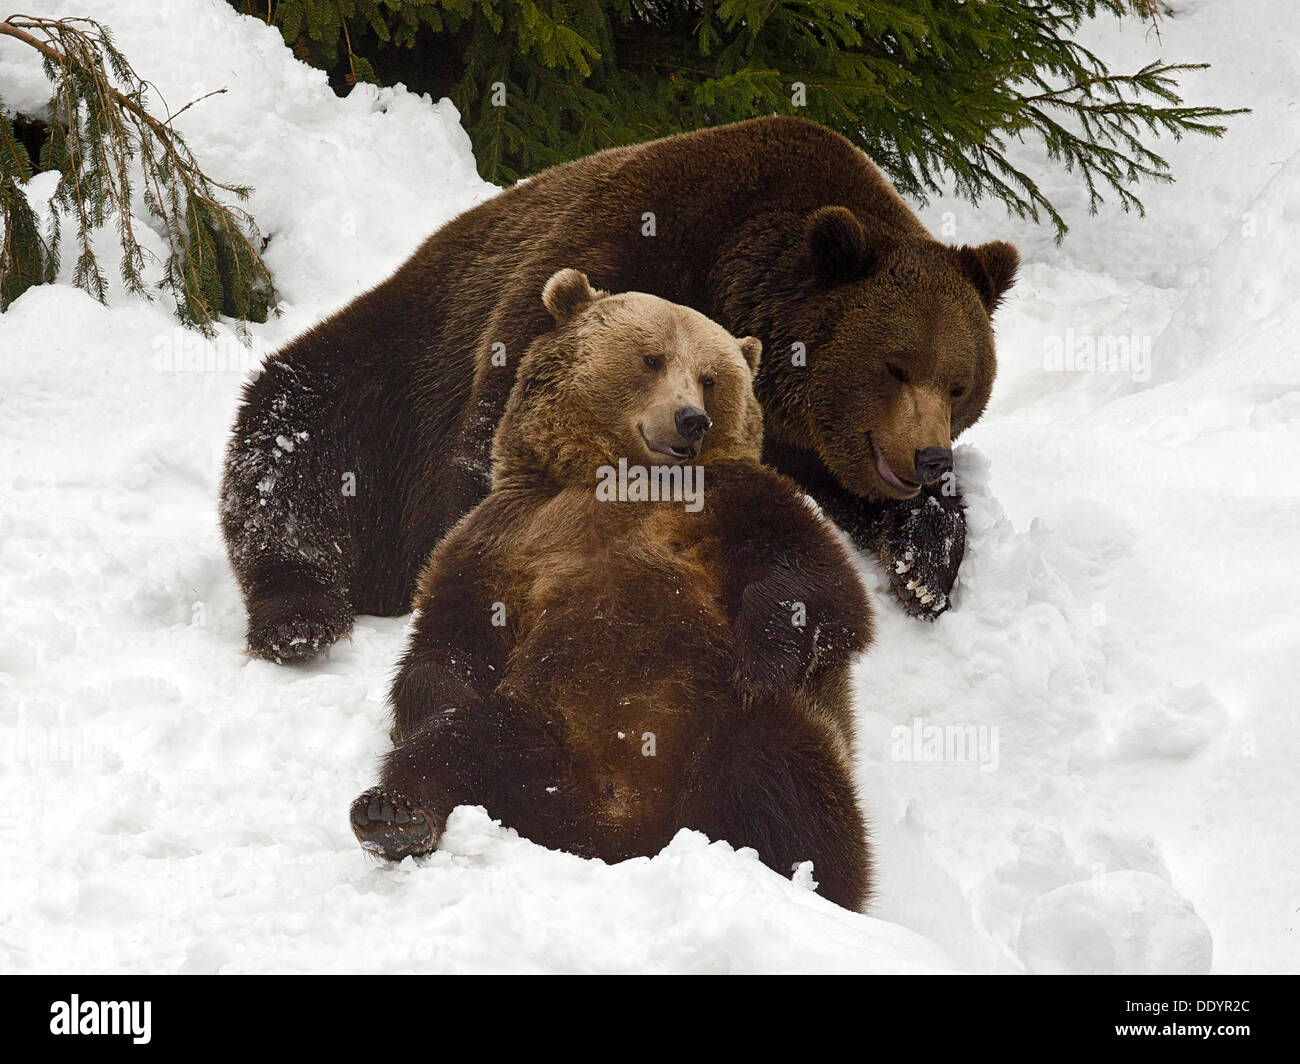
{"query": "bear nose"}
pixel 692 423
pixel 932 463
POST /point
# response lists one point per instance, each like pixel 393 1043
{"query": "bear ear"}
pixel 991 268
pixel 751 349
pixel 567 294
pixel 837 244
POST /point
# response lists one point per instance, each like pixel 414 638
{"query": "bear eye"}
pixel 957 391
pixel 707 380
pixel 897 372
pixel 654 362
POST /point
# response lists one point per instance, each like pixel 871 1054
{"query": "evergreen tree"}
pixel 925 87
pixel 101 137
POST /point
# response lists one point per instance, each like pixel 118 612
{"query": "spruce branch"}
pixel 937 92
pixel 100 130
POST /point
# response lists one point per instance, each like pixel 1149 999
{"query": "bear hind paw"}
pixel 392 826
pixel 295 628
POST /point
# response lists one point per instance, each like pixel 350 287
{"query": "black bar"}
pixel 869 1015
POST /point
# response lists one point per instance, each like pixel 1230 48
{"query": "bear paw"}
pixel 391 826
pixel 921 550
pixel 296 627
pixel 771 653
pixel 760 672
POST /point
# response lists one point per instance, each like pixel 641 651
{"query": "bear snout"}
pixel 932 463
pixel 692 423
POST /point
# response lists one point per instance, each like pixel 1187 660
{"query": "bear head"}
pixel 904 358
pixel 627 376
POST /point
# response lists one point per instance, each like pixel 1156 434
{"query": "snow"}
pixel 1123 647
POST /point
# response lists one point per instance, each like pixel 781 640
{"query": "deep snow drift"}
pixel 1123 654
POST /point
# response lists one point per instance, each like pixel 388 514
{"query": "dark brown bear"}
pixel 600 671
pixel 369 436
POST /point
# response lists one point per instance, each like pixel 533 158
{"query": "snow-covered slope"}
pixel 1124 651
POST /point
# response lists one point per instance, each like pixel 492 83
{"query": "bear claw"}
pixel 921 550
pixel 391 826
pixel 299 648
pixel 919 598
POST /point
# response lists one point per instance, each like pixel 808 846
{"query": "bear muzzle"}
pixel 901 487
pixel 683 439
pixel 692 423
pixel 932 463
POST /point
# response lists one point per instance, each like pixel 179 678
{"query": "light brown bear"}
pixel 601 665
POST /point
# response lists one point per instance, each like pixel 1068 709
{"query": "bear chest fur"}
pixel 622 641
